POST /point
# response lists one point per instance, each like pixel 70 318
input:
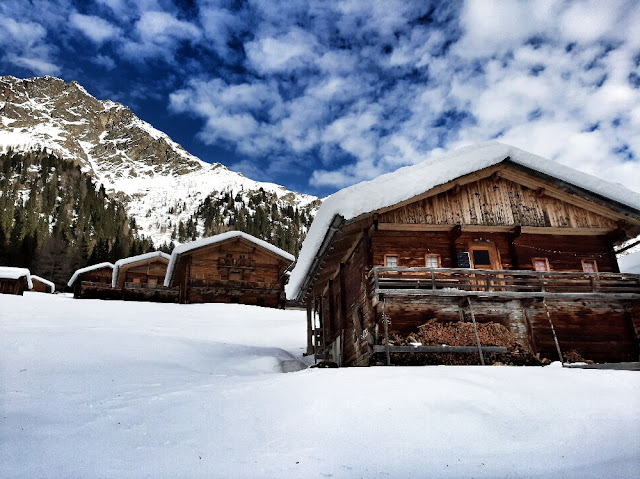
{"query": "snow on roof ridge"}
pixel 88 268
pixel 134 259
pixel 183 248
pixel 11 272
pixel 410 181
pixel 45 281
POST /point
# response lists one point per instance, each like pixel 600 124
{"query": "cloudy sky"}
pixel 320 95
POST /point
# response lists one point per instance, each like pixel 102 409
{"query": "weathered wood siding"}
pixel 564 252
pixel 233 271
pixel 95 284
pixel 495 202
pixel 151 271
pixel 13 286
pixel 599 331
pixel 40 287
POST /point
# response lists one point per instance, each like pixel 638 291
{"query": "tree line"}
pixel 54 220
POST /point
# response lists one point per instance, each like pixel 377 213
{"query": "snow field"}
pixel 103 389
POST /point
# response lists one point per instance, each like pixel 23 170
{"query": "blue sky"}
pixel 320 95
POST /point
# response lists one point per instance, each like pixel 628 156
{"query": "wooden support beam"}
pixel 379 348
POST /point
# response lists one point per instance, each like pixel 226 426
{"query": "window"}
pixel 432 261
pixel 481 257
pixel 589 266
pixel 540 264
pixel 390 261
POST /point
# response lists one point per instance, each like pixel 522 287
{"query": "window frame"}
pixel 593 262
pixel 432 255
pixel 545 260
pixel 386 256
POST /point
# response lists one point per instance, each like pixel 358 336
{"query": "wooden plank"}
pixel 566 231
pixel 379 348
pixel 504 294
pixel 414 227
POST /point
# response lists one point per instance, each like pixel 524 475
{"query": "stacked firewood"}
pixel 436 332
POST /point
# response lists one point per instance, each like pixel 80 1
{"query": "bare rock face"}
pixel 102 135
pixel 134 161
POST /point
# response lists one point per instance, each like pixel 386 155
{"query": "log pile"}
pixel 458 333
pixel 436 332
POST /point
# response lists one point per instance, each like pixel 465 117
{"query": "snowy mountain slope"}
pixel 157 179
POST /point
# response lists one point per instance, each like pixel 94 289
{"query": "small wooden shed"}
pixel 140 278
pixel 93 282
pixel 14 280
pixel 516 249
pixel 231 267
pixel 41 285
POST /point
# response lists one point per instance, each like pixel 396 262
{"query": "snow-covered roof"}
pixel 9 272
pixel 410 181
pixel 88 268
pixel 44 281
pixel 135 259
pixel 630 263
pixel 179 250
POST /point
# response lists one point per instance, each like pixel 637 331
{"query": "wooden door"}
pixel 485 256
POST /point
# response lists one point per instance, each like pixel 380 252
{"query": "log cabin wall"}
pixel 40 287
pixel 95 284
pixel 151 272
pixel 13 286
pixel 566 253
pixel 234 271
pixel 517 223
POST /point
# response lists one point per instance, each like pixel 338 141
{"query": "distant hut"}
pixel 93 282
pixel 513 248
pixel 14 280
pixel 41 285
pixel 141 278
pixel 231 267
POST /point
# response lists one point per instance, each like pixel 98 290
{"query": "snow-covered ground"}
pixel 95 389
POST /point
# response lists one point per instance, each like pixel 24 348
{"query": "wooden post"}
pixel 475 329
pixel 553 330
pixel 385 321
pixel 309 327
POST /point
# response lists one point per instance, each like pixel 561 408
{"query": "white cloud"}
pixel 95 28
pixel 36 65
pixel 285 52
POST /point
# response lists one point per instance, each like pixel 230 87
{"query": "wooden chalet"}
pixel 14 280
pixel 488 239
pixel 231 267
pixel 41 285
pixel 93 282
pixel 140 278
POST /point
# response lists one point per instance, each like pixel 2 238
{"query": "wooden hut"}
pixel 488 252
pixel 231 267
pixel 93 282
pixel 41 285
pixel 140 278
pixel 14 280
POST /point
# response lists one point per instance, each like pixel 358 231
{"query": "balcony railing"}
pixel 230 284
pixel 237 262
pixel 506 283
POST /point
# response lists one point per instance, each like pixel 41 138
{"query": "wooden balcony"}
pixel 501 284
pixel 239 263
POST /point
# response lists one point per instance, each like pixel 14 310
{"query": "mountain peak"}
pixel 130 157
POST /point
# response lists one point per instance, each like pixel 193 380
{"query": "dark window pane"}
pixel 481 257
